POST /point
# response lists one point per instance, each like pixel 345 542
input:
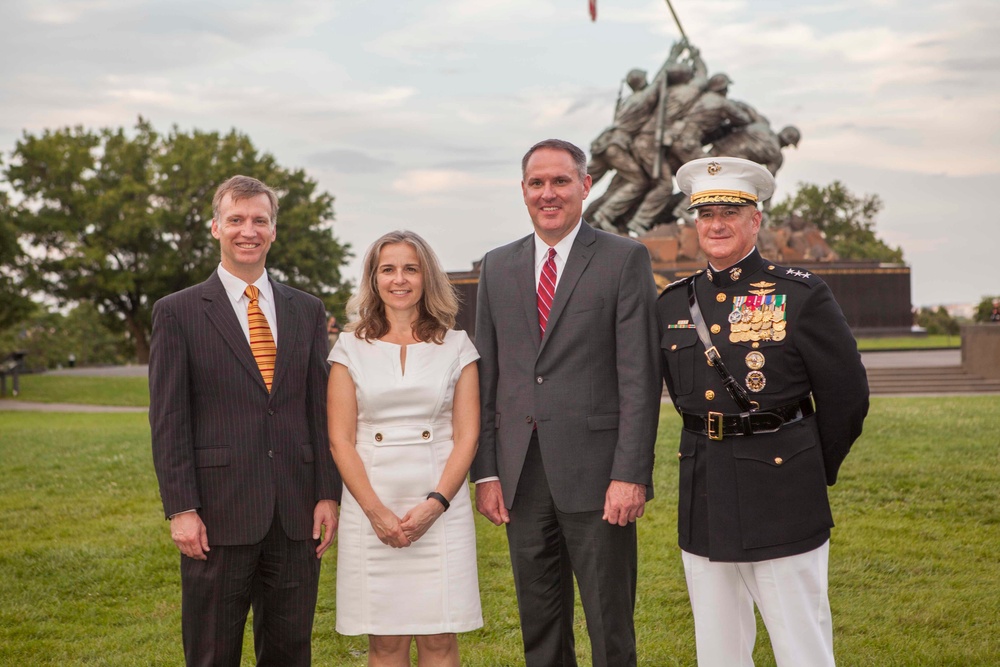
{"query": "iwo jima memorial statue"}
pixel 682 114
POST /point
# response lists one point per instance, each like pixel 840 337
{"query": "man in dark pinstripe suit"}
pixel 246 475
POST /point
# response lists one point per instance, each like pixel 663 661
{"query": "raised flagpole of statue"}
pixel 681 115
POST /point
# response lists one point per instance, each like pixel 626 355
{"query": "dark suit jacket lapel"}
pixel 220 312
pixel 522 268
pixel 288 330
pixel 576 264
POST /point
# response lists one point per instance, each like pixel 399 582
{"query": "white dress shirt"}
pixel 562 252
pixel 236 289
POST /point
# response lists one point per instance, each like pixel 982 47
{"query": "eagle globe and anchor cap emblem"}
pixel 714 168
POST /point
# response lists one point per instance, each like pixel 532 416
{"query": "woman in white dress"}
pixel 404 420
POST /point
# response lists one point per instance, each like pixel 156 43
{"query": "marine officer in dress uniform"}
pixel 762 366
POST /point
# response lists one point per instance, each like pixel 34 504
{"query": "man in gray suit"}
pixel 237 383
pixel 566 328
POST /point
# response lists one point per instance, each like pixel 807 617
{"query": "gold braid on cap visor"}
pixel 722 197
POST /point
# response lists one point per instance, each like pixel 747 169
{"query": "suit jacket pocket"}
pixel 211 457
pixel 307 453
pixel 602 422
pixel 680 348
pixel 781 485
pixel 583 306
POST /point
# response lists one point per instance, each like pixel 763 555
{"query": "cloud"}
pixel 450 28
pixel 427 182
pixel 346 160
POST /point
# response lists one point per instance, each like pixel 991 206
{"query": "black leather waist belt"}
pixel 718 425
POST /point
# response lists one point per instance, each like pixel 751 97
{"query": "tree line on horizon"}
pixel 96 225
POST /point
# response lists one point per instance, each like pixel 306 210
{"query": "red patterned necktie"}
pixel 546 289
pixel 261 342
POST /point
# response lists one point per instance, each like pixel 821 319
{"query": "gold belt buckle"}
pixel 714 425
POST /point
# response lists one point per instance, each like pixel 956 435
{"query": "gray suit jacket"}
pixel 592 386
pixel 221 442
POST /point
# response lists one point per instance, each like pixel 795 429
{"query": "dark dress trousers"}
pixel 253 463
pixel 761 496
pixel 561 418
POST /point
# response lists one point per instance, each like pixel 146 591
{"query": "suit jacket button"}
pixel 378 437
pixel 270 411
pixel 716 328
pixel 539 379
pixel 778 460
pixel 709 395
pixel 426 435
pixel 270 453
pixel 528 419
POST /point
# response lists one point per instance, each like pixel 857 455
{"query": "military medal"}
pixel 755 361
pixel 755 381
pixel 759 316
pixel 682 324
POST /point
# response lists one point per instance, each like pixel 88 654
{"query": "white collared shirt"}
pixel 235 290
pixel 562 252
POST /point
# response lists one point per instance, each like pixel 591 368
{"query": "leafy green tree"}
pixel 14 303
pixel 121 219
pixel 847 221
pixel 938 321
pixel 984 311
pixel 52 339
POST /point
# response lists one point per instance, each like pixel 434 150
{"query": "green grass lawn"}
pixel 44 388
pixel 909 343
pixel 89 576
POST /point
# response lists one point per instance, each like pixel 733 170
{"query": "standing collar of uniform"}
pixel 739 271
pixel 562 248
pixel 235 287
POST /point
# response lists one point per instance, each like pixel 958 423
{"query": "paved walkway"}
pixel 912 358
pixel 25 406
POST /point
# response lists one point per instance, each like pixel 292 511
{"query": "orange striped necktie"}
pixel 261 342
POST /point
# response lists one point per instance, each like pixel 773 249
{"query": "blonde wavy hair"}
pixel 436 310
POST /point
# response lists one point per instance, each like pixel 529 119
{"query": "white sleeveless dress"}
pixel 404 438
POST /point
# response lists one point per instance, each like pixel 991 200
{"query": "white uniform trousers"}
pixel 791 594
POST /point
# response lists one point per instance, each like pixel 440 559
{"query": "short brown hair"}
pixel 244 187
pixel 579 157
pixel 438 305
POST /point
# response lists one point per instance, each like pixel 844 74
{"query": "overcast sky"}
pixel 415 114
